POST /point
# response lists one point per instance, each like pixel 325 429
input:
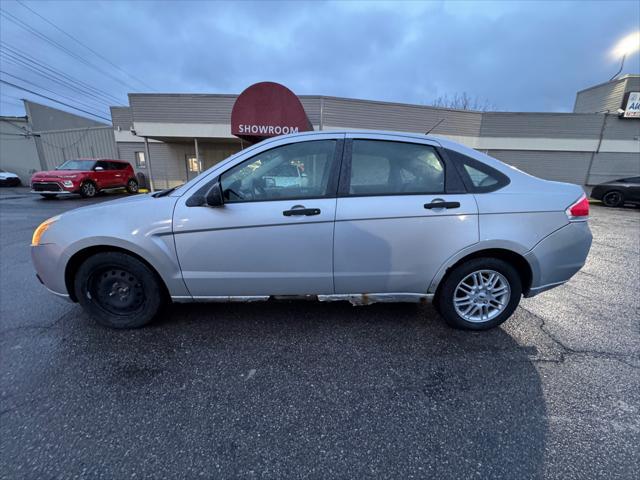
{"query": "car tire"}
pixel 118 290
pixel 458 300
pixel 132 186
pixel 48 196
pixel 613 198
pixel 88 190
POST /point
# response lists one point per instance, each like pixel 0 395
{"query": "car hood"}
pixel 8 175
pixel 128 206
pixel 57 174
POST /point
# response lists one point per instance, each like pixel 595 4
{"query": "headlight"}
pixel 43 227
pixel 67 183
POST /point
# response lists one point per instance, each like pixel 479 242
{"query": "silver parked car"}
pixel 369 217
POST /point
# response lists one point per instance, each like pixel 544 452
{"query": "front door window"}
pixel 294 171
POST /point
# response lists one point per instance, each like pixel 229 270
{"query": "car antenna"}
pixel 431 129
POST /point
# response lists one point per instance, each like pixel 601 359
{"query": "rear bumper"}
pixel 558 257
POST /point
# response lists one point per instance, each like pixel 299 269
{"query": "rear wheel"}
pixel 613 198
pixel 48 196
pixel 479 294
pixel 132 186
pixel 88 190
pixel 118 290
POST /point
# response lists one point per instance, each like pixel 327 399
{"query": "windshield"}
pixel 77 165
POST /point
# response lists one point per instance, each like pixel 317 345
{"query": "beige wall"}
pixel 18 153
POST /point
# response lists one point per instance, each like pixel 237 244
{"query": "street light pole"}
pixel 626 46
pixel 621 67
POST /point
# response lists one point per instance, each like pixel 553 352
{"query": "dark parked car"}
pixel 617 192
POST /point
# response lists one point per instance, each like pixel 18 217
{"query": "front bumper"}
pixel 52 192
pixel 50 265
pixel 558 257
pixel 52 187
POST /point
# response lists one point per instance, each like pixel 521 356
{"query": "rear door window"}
pixel 380 167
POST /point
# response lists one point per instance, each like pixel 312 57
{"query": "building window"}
pixel 192 164
pixel 140 160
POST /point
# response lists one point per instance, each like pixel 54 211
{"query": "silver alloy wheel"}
pixel 89 189
pixel 133 186
pixel 481 296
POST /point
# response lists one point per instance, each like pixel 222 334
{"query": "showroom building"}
pixel 173 137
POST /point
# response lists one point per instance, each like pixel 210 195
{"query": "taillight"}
pixel 579 210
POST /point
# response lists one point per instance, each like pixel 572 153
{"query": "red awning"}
pixel 267 109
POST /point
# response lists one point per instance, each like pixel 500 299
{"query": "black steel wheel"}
pixel 614 198
pixel 118 290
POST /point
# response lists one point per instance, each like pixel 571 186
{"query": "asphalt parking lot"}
pixel 308 390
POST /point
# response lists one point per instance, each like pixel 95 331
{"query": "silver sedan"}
pixel 358 216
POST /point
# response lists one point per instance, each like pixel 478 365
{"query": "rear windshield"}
pixel 77 165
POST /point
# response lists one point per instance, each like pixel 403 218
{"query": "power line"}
pixel 10 50
pixel 84 45
pixel 33 31
pixel 53 100
pixel 70 86
pixel 43 69
pixel 47 90
pixel 39 135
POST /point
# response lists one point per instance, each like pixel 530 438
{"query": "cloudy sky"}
pixel 521 56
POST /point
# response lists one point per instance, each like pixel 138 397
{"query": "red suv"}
pixel 86 177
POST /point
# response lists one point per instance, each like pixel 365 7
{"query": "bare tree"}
pixel 462 101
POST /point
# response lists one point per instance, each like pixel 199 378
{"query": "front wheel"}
pixel 132 186
pixel 479 294
pixel 88 190
pixel 118 290
pixel 613 199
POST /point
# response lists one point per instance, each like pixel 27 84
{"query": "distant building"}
pixel 591 145
pixel 45 137
pixel 174 137
pixel 607 97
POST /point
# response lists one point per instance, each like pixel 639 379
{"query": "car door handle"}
pixel 300 210
pixel 441 204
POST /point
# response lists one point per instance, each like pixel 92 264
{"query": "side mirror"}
pixel 214 196
pixel 98 169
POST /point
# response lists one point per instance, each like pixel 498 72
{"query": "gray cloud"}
pixel 527 56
